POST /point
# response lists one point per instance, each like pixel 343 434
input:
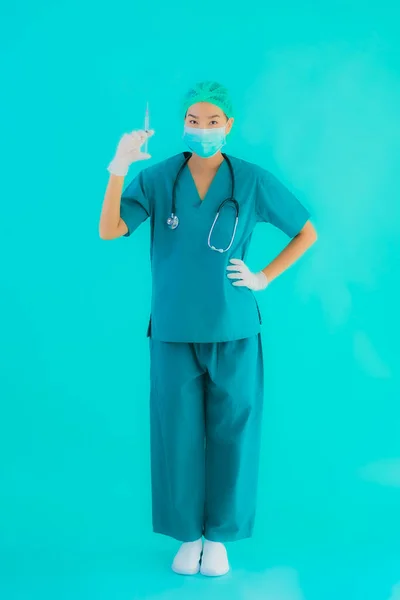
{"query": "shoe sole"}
pixel 192 572
pixel 208 574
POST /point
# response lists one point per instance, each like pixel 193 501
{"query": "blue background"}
pixel 317 95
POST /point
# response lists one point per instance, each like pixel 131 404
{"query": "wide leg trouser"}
pixel 205 416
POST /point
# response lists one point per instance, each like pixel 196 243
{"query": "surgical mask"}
pixel 205 142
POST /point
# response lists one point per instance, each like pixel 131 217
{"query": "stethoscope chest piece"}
pixel 173 221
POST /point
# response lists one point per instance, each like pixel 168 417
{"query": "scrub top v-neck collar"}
pixel 214 182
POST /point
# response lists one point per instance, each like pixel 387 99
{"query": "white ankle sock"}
pixel 215 559
pixel 187 560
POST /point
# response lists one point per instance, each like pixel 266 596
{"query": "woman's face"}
pixel 207 116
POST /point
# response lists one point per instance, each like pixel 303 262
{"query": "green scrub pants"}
pixel 205 416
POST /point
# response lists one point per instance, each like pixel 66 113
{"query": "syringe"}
pixel 147 127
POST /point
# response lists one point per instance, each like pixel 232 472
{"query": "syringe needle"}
pixel 147 127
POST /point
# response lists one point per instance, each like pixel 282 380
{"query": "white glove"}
pixel 128 151
pixel 245 278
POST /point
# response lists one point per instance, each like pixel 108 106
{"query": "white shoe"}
pixel 187 559
pixel 214 562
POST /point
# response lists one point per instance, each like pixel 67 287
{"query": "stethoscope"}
pixel 173 220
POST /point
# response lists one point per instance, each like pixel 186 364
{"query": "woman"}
pixel 205 345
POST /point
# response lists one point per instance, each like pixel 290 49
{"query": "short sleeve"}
pixel 135 208
pixel 278 206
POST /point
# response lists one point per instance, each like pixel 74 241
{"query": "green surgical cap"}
pixel 212 92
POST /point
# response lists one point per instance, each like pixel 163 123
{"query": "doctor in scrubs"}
pixel 204 332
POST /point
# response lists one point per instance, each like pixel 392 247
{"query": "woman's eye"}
pixel 193 122
pixel 214 122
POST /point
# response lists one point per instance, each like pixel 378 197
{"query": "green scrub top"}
pixel 193 300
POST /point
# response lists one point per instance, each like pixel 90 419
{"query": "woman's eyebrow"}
pixel 212 117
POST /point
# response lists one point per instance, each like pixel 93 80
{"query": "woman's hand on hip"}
pixel 243 277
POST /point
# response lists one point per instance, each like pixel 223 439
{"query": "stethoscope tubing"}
pixel 173 220
pixel 188 156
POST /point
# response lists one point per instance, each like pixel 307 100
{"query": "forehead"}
pixel 204 110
